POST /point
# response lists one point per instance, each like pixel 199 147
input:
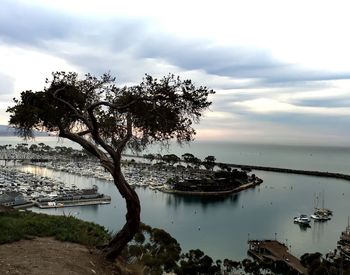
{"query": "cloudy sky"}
pixel 281 69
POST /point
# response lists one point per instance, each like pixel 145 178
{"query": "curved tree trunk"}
pixel 130 228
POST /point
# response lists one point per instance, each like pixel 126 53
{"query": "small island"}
pixel 218 183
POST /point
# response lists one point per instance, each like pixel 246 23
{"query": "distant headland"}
pixel 8 131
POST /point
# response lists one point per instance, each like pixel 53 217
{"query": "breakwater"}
pixel 293 171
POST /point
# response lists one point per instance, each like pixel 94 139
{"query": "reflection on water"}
pixel 220 226
pixel 203 202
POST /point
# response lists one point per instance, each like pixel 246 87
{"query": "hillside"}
pixel 39 256
pixel 6 131
pixel 38 244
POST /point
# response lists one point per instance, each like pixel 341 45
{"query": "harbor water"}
pixel 221 227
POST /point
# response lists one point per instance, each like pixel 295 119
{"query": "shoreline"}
pixel 280 170
pixel 212 194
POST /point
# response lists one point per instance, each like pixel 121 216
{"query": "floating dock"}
pixel 72 203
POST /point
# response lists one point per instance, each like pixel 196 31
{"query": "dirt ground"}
pixel 47 256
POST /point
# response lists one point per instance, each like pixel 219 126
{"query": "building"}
pixel 12 198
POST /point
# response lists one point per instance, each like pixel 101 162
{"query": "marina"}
pixel 22 190
pixel 263 212
pixel 225 223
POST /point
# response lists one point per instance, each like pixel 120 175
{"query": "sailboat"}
pixel 321 213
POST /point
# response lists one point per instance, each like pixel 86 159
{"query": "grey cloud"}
pixel 330 102
pixel 106 38
pixel 232 62
pixel 25 24
pixel 313 123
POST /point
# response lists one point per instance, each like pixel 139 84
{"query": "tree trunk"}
pixel 130 228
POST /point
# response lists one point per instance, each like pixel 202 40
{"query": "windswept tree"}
pixel 105 119
pixel 188 158
pixel 209 162
pixel 171 159
pixel 149 157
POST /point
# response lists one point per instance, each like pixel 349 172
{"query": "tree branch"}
pixel 124 141
pixel 113 106
pixel 83 133
pixel 70 106
pixel 96 135
pixel 88 146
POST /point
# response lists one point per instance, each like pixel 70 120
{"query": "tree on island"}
pixel 188 158
pixel 105 119
pixel 171 159
pixel 209 162
pixel 150 157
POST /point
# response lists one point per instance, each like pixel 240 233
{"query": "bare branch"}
pixel 90 147
pixel 96 135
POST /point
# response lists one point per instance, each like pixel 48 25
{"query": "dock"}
pixel 71 203
pixel 277 252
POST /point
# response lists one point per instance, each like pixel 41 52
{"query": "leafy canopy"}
pixel 154 110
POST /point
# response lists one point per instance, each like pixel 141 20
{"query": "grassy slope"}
pixel 16 225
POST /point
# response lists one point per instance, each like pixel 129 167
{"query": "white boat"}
pixel 320 217
pixel 322 211
pixel 302 219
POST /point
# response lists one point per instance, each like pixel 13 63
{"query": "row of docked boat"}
pixel 136 174
pixel 44 191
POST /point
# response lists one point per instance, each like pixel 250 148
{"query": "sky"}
pixel 280 69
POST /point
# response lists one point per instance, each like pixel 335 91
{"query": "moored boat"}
pixel 302 219
pixel 320 217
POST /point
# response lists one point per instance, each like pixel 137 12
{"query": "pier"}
pixel 276 252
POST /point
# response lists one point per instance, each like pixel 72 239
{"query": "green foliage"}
pixel 149 157
pixel 209 162
pixel 233 175
pixel 171 159
pixel 191 160
pixel 155 249
pixel 158 109
pixel 196 262
pixel 16 225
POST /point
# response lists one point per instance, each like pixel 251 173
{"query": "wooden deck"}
pixel 275 251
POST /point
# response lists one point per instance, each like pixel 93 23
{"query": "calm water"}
pixel 331 159
pixel 226 224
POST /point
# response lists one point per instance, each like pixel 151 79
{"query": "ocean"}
pixel 318 158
